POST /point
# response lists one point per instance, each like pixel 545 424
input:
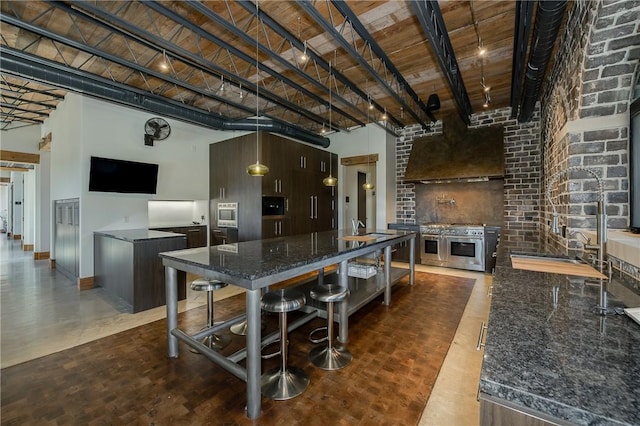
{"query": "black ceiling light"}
pixel 433 103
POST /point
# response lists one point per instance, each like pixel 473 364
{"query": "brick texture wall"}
pixel 521 178
pixel 600 50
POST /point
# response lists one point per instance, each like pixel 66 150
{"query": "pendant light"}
pixel 367 186
pixel 257 169
pixel 330 180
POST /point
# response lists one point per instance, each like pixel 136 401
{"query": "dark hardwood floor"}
pixel 127 378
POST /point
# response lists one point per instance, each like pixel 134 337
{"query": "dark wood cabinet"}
pixel 275 155
pixel 275 226
pixel 130 269
pixel 224 236
pixel 196 234
pixel 295 173
pixel 67 237
pixel 402 250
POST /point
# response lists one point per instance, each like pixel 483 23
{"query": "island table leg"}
pixel 387 275
pixel 343 307
pixel 412 261
pixel 171 293
pixel 253 353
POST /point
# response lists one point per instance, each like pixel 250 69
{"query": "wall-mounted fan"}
pixel 156 129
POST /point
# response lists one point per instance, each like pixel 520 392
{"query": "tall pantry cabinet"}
pixel 295 173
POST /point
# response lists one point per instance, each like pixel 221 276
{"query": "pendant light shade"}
pixel 257 169
pixel 330 181
pixel 367 186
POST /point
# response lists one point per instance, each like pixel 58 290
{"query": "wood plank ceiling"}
pixel 371 58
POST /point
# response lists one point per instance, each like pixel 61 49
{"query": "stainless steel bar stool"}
pixel 213 341
pixel 329 356
pixel 283 382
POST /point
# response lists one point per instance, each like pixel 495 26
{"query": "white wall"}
pixel 369 139
pixel 83 127
pixel 25 139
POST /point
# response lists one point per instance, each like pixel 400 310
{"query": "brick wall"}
pixel 600 50
pixel 521 179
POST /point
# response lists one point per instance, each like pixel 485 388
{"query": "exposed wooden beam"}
pixel 19 157
pixel 359 159
pixel 14 169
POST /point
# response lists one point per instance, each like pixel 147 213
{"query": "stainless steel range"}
pixel 452 245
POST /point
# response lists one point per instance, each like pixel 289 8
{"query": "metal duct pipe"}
pixel 548 20
pixel 31 67
pixel 269 125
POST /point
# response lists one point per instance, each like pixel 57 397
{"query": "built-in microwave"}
pixel 272 206
pixel 227 215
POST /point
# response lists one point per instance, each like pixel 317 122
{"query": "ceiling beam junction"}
pixel 197 5
pixel 319 61
pixel 339 38
pixel 112 23
pixel 403 84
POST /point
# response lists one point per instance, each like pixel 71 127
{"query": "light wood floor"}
pixel 43 313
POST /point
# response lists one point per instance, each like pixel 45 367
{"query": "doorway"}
pixel 359 203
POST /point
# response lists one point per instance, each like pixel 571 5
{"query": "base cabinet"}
pixel 196 234
pixel 494 412
pixel 133 272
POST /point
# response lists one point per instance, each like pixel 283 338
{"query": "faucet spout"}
pixel 355 225
pixel 601 225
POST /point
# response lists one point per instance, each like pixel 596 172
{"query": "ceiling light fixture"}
pixel 329 180
pixel 384 115
pixel 304 57
pixel 257 169
pixel 487 100
pixel 164 64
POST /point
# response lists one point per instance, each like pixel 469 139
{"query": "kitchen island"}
pixel 550 359
pixel 256 265
pixel 127 266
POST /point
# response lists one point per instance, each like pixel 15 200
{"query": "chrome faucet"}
pixel 601 225
pixel 355 225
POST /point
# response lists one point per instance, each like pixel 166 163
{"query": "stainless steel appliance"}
pixel 227 215
pixel 452 245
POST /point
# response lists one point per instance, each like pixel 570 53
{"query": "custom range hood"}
pixel 458 154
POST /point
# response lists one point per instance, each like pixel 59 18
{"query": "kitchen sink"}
pixel 548 258
pixel 554 264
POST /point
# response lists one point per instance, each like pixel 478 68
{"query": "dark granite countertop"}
pixel 134 235
pixel 178 225
pixel 565 361
pixel 252 263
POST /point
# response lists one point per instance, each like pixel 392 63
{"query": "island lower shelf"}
pixel 361 290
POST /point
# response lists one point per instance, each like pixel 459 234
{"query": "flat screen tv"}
pixel 131 177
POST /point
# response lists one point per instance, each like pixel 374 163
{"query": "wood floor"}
pixel 127 378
